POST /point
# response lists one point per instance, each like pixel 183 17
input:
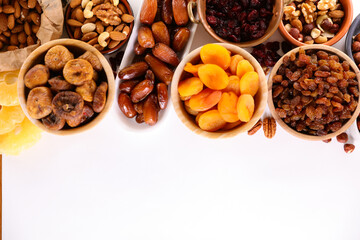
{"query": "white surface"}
pixel 174 185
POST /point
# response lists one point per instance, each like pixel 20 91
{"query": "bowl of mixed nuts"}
pixel 66 86
pixel 316 22
pixel 314 92
pixel 104 24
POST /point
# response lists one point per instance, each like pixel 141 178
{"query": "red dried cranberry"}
pixel 253 15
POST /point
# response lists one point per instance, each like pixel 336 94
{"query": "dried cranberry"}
pixel 212 20
pixel 253 15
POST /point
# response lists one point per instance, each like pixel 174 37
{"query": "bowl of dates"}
pixel 245 23
pixel 66 86
pixel 314 92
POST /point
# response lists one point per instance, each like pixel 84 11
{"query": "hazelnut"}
pixel 357 37
pixel 327 140
pixel 308 40
pixel 356 46
pixel 342 138
pixel 294 32
pixel 326 24
pixel 349 148
pixel 334 28
pixel 357 57
pixel 308 27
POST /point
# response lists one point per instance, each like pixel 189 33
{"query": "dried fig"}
pixel 161 71
pixel 148 11
pixel 100 97
pixel 181 38
pixel 133 71
pixel 53 122
pixel 38 102
pixel 93 60
pixel 68 105
pixel 87 113
pixel 37 76
pixel 87 90
pixel 78 71
pixel 59 84
pixel 57 56
pixel 161 33
pixel 165 54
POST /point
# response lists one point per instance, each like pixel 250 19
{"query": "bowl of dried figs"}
pixel 66 86
pixel 219 91
pixel 314 92
pixel 245 23
pixel 319 22
pixel 104 24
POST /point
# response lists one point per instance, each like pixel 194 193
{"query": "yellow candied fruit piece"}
pixel 243 67
pixel 215 54
pixel 10 117
pixel 227 107
pixel 190 86
pixel 245 107
pixel 8 89
pixel 25 135
pixel 211 121
pixel 213 76
pixel 249 83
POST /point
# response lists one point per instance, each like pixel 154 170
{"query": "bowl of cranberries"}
pixel 245 23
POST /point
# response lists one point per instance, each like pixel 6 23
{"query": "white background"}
pixel 112 183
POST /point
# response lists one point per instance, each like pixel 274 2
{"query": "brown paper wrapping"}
pixel 51 28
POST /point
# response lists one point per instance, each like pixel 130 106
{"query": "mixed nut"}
pixel 103 24
pixel 19 23
pixel 163 34
pixel 356 49
pixel 315 92
pixel 65 89
pixel 313 21
pixel 219 90
pixel 239 21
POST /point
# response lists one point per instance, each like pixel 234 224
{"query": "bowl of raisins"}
pixel 314 92
pixel 245 23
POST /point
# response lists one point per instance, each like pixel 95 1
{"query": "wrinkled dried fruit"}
pixel 148 11
pixel 53 122
pixel 150 110
pixel 141 90
pixel 78 71
pixel 38 102
pixel 342 138
pixel 146 38
pixel 161 33
pixel 162 95
pixel 37 76
pixel 166 13
pixel 127 86
pixel 57 56
pixel 133 71
pixel 180 12
pixel 68 105
pixel 87 90
pixel 100 97
pixel 59 84
pixel 93 60
pixel 161 71
pixel 181 38
pixel 349 148
pixel 165 54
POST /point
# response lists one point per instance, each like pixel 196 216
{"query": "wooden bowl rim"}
pixel 355 27
pixel 178 104
pixel 343 29
pixel 290 130
pixel 278 12
pixel 108 51
pixel 29 62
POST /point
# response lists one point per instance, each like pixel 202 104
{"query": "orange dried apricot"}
pixel 213 76
pixel 245 107
pixel 193 69
pixel 249 83
pixel 234 63
pixel 243 67
pixel 211 121
pixel 234 85
pixel 189 110
pixel 204 100
pixel 215 54
pixel 227 107
pixel 190 86
pixel 229 126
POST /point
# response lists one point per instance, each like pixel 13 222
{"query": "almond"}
pixel 88 36
pixel 120 27
pixel 30 40
pixel 24 4
pixel 11 21
pixel 75 3
pixel 7 33
pixel 79 15
pixel 35 28
pixel 14 39
pixel 22 37
pixel 8 9
pixel 127 18
pixel 17 7
pixel 117 36
pixel 27 28
pixel 77 33
pixel 109 29
pixel 35 17
pixel 113 44
pixel 3 22
pixel 12 48
pixel 93 41
pixel 31 3
pixel 336 14
pixel 99 27
pixel 38 7
pixel 17 29
pixel 74 23
pixel 4 39
pixel 1 45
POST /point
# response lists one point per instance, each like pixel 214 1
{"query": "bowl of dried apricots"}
pixel 219 91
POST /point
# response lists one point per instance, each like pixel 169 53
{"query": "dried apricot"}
pixel 213 76
pixel 249 83
pixel 227 107
pixel 245 107
pixel 204 100
pixel 211 121
pixel 234 85
pixel 190 86
pixel 234 63
pixel 215 54
pixel 193 69
pixel 243 67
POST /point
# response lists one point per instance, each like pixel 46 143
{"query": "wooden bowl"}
pixel 348 10
pixel 353 31
pixel 188 120
pixel 106 51
pixel 292 131
pixel 273 25
pixel 77 47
